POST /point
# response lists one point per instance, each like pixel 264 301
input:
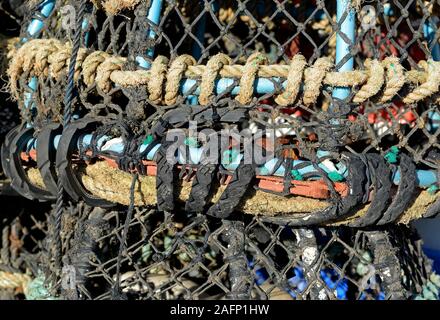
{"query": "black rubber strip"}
pixel 381 178
pixel 234 191
pixel 46 155
pixel 341 208
pixel 4 152
pixel 202 182
pixel 19 178
pixel 165 178
pixel 405 191
pixel 201 188
pixel 68 143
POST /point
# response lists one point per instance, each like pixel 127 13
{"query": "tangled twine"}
pixel 427 88
pixel 213 67
pixel 175 74
pixel 33 289
pixel 7 47
pixel 384 79
pixel 113 7
pixel 247 80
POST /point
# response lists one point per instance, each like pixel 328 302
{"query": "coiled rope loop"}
pixel 381 79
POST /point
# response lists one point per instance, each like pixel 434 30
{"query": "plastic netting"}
pixel 227 149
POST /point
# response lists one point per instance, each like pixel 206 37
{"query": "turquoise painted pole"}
pixel 429 30
pixel 425 178
pixel 346 17
pixel 46 8
pixel 154 15
pixel 36 25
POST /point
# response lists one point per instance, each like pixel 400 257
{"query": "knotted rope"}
pixel 395 78
pixel 429 87
pixel 113 7
pixel 374 83
pixel 248 78
pixel 213 67
pixel 294 79
pixel 313 78
pixel 10 280
pixel 175 74
pixel 381 79
pixel 158 71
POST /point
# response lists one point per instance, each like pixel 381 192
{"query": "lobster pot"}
pixel 223 149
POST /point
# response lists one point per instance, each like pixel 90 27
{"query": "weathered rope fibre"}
pixel 384 79
pixel 114 185
pixel 10 280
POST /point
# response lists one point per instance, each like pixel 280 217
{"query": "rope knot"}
pixel 175 74
pixel 294 79
pixel 247 80
pixel 210 74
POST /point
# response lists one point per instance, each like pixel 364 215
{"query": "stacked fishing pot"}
pixel 223 149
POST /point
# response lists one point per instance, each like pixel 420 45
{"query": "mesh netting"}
pixel 165 257
pixel 227 149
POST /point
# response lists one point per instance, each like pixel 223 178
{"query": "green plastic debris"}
pixel 229 156
pixel 394 149
pixel 191 142
pixel 296 175
pixel 433 189
pixel 146 252
pixel 431 290
pixel 335 176
pixel 148 140
pixel 391 155
pixel 36 290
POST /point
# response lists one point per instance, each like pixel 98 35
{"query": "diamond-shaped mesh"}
pixel 346 91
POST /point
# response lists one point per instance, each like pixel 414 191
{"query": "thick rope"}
pixel 313 78
pixel 25 60
pixel 429 87
pixel 113 7
pixel 248 78
pixel 175 74
pixel 60 59
pixel 104 71
pixel 114 185
pixel 213 67
pixel 158 74
pixel 91 64
pixel 395 78
pixel 9 280
pixel 376 79
pixel 385 79
pixel 294 79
